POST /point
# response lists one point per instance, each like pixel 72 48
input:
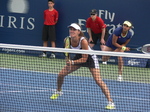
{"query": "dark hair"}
pixel 81 33
pixel 93 11
pixel 51 1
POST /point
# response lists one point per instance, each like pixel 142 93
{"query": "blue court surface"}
pixel 28 91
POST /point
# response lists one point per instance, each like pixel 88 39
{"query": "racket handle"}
pixel 132 49
pixel 68 66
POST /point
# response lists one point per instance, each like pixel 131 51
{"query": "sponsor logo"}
pixel 18 6
pixel 17 22
pixel 133 62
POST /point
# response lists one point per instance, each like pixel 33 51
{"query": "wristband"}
pixel 123 48
pixel 72 62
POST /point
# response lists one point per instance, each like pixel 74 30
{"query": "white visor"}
pixel 75 26
pixel 127 23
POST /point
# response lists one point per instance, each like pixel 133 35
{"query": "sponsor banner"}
pixel 148 64
pixel 112 60
pixel 135 62
pixel 23 23
pixel 29 52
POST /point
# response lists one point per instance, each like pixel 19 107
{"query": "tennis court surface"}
pixel 27 82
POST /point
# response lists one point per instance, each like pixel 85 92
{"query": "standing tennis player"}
pixel 96 30
pixel 50 19
pixel 117 42
pixel 78 41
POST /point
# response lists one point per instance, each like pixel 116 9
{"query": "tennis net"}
pixel 27 81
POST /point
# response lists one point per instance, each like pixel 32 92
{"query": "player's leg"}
pixel 91 44
pixel 94 38
pixel 102 46
pixel 53 44
pixel 63 73
pixel 120 68
pixel 53 53
pixel 52 38
pixel 105 58
pixel 60 80
pixel 120 65
pixel 45 43
pixel 52 35
pixel 96 75
pixel 45 40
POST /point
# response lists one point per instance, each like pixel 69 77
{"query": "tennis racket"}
pixel 67 46
pixel 145 49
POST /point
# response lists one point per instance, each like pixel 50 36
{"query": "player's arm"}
pixel 103 28
pixel 114 41
pixel 89 30
pixel 103 35
pixel 90 34
pixel 126 42
pixel 124 45
pixel 84 58
pixel 56 17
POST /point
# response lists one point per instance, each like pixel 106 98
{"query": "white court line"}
pixel 70 75
pixel 24 91
pixel 49 89
pixel 6 84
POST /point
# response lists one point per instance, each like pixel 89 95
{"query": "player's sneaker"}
pixel 110 106
pixel 120 78
pixel 104 62
pixel 52 56
pixel 43 55
pixel 56 95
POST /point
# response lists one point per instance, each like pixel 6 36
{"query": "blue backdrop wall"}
pixel 21 21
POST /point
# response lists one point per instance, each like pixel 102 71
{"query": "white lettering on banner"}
pixel 133 62
pixel 13 50
pixel 32 25
pixel 110 60
pixel 1 22
pixel 80 22
pixel 13 22
pixel 107 16
pixel 22 21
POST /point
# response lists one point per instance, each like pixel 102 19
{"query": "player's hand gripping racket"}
pixel 145 49
pixel 67 46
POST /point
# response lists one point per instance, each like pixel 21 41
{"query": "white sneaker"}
pixel 52 56
pixel 110 106
pixel 104 63
pixel 120 78
pixel 43 55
